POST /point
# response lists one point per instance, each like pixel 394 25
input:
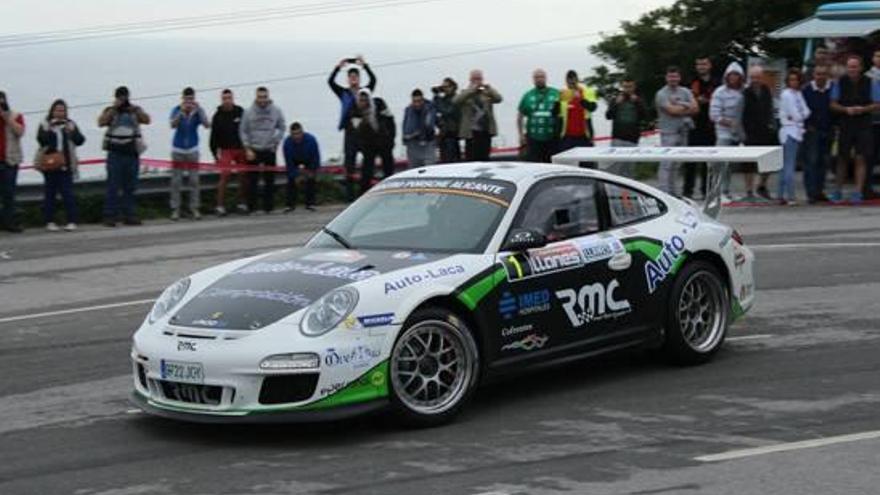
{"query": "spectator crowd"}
pixel 820 122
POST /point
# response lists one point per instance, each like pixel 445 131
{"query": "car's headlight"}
pixel 327 313
pixel 169 299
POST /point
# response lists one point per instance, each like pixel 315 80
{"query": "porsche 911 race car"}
pixel 435 280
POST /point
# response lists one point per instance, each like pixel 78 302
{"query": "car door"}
pixel 629 212
pixel 561 297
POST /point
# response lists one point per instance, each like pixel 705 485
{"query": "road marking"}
pixel 749 337
pixel 785 447
pixel 70 311
pixel 816 245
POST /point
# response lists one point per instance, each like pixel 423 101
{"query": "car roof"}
pixel 515 172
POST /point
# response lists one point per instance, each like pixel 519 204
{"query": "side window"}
pixel 627 205
pixel 560 209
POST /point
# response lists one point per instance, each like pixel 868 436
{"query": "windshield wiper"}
pixel 337 237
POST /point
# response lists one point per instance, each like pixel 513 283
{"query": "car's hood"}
pixel 272 287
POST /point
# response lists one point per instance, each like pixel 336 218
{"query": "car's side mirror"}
pixel 524 239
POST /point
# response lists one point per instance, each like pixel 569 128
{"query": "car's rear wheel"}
pixel 434 368
pixel 698 315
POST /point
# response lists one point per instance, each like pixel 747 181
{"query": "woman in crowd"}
pixel 793 112
pixel 58 137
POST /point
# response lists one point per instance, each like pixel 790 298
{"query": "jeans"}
pixel 874 160
pixel 789 162
pixel 369 166
pixel 185 164
pixel 817 160
pixel 265 158
pixel 540 151
pixel 122 175
pixel 8 178
pixel 420 153
pixel 55 182
pixel 450 149
pixel 723 168
pixel 292 191
pixel 624 169
pixel 350 150
pixel 668 172
pixel 478 147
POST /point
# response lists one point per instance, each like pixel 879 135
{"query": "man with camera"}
pixel 11 130
pixel 627 113
pixel 477 117
pixel 448 120
pixel 124 144
pixel 347 99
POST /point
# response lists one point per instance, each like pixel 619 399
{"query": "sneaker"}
pixel 726 200
pixel 109 223
pixel 288 209
pixel 133 221
pixel 175 215
pixel 310 207
pixel 70 227
pixel 243 209
pixel 836 197
pixel 855 198
pixel 764 193
pixel 196 215
pixel 53 227
pixel 221 211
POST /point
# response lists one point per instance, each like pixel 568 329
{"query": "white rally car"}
pixel 436 280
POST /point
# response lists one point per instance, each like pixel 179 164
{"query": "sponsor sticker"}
pixel 359 356
pixel 535 262
pixel 528 343
pixel 425 275
pixel 523 304
pixel 378 320
pixel 593 250
pixel 336 256
pixel 657 270
pixel 285 297
pixel 592 302
pixel 516 330
pixel 326 269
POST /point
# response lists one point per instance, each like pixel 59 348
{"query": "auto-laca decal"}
pixel 264 291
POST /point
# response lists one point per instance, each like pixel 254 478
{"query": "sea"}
pixel 85 74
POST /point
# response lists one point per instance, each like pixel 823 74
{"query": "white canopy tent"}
pixel 768 159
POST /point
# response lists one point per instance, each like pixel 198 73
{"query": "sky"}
pixel 453 21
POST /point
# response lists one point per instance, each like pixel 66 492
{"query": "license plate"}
pixel 178 371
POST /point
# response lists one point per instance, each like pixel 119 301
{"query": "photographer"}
pixel 185 119
pixel 477 117
pixel 124 144
pixel 627 113
pixel 448 120
pixel 58 138
pixel 11 130
pixel 347 98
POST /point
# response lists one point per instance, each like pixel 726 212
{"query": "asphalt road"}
pixel 802 366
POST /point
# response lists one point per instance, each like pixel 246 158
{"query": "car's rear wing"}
pixel 768 158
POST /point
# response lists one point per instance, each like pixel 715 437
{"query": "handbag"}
pixel 52 161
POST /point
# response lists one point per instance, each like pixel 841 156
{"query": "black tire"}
pixel 408 367
pixel 683 344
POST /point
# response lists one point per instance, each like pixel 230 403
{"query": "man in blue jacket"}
pixel 301 150
pixel 185 120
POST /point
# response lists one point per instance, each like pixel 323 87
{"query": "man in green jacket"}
pixel 535 121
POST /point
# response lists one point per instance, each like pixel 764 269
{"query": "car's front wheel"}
pixel 698 314
pixel 435 367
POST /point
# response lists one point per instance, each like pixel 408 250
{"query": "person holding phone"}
pixel 59 135
pixel 11 130
pixel 124 144
pixel 347 99
pixel 186 119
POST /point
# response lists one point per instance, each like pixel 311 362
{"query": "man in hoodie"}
pixel 11 131
pixel 419 128
pixel 725 112
pixel 227 149
pixel 874 74
pixel 372 124
pixel 301 151
pixel 262 128
pixel 676 107
pixel 347 99
pixel 703 133
pixel 759 124
pixel 477 126
pixel 186 119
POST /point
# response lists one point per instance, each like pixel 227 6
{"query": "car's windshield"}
pixel 424 214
